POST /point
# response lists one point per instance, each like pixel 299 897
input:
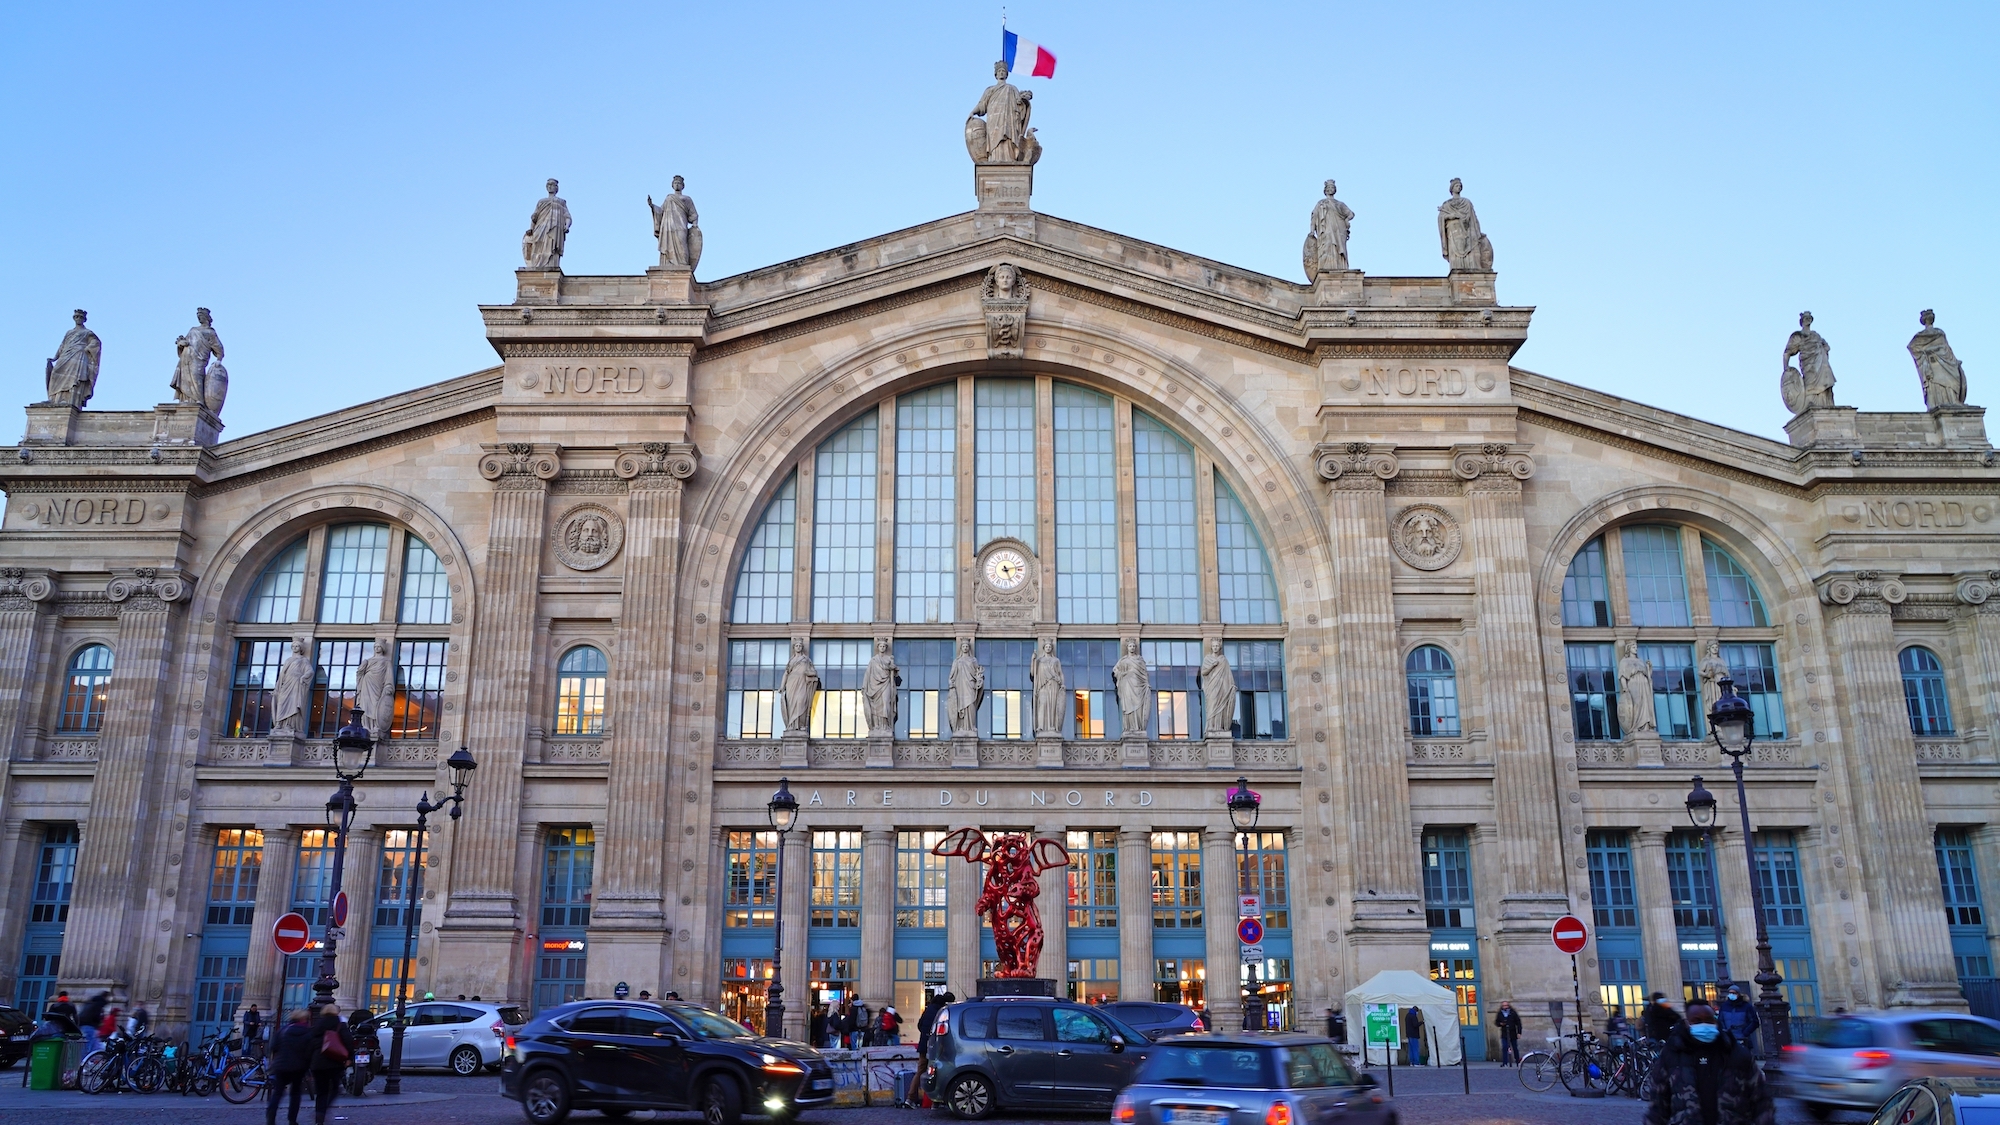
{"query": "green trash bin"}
pixel 45 1058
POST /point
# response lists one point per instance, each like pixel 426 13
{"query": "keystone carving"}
pixel 1004 296
pixel 148 581
pixel 520 461
pixel 657 459
pixel 1470 462
pixel 1356 459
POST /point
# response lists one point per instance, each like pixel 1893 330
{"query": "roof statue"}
pixel 1326 242
pixel 1808 386
pixel 72 374
pixel 199 377
pixel 548 228
pixel 996 131
pixel 1942 375
pixel 677 227
pixel 1465 248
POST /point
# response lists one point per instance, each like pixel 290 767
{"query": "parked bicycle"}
pixel 244 1079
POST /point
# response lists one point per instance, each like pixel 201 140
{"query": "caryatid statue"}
pixel 1465 248
pixel 797 690
pixel 678 228
pixel 1218 693
pixel 72 374
pixel 1134 694
pixel 879 690
pixel 1712 670
pixel 1046 672
pixel 1635 691
pixel 375 690
pixel 548 229
pixel 1942 375
pixel 288 700
pixel 967 690
pixel 997 132
pixel 1326 242
pixel 1809 385
pixel 197 381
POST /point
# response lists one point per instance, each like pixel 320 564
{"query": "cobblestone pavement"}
pixel 1428 1097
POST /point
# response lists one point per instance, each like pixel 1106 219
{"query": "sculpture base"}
pixel 1218 752
pixel 1472 287
pixel 669 285
pixel 1014 986
pixel 50 425
pixel 1048 753
pixel 1337 287
pixel 792 750
pixel 1824 425
pixel 881 752
pixel 1003 187
pixel 184 423
pixel 965 751
pixel 1135 752
pixel 537 287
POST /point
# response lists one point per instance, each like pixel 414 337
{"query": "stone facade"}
pixel 601 487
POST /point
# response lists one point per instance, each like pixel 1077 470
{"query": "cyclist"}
pixel 292 1051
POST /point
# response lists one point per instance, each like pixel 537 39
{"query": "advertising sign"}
pixel 1383 1027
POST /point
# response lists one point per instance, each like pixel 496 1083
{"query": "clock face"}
pixel 1006 569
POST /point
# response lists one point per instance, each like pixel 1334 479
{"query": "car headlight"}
pixel 779 1065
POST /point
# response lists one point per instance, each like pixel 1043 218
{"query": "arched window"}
pixel 764 585
pixel 357 562
pixel 1169 567
pixel 88 688
pixel 580 691
pixel 1433 692
pixel 844 475
pixel 1923 692
pixel 1732 596
pixel 426 587
pixel 275 597
pixel 1249 595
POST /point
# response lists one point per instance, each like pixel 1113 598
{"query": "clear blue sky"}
pixel 1670 184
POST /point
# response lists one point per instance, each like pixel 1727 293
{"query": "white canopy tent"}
pixel 1405 989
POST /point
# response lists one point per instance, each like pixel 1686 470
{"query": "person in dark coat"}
pixel 62 1006
pixel 1336 1024
pixel 1738 1016
pixel 1508 1022
pixel 89 1019
pixel 1660 1018
pixel 1704 1077
pixel 816 1027
pixel 292 1050
pixel 1413 1035
pixel 327 1069
pixel 926 1020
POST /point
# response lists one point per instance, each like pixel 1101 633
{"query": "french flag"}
pixel 1029 59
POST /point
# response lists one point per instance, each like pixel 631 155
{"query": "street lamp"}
pixel 1734 727
pixel 353 751
pixel 1243 805
pixel 1701 810
pixel 783 809
pixel 461 766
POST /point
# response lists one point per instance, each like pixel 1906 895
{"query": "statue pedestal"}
pixel 50 425
pixel 1472 287
pixel 881 752
pixel 792 750
pixel 666 286
pixel 537 287
pixel 1048 752
pixel 1961 427
pixel 1218 753
pixel 1824 425
pixel 965 751
pixel 1337 287
pixel 285 749
pixel 184 423
pixel 1646 748
pixel 1013 986
pixel 1003 187
pixel 1134 751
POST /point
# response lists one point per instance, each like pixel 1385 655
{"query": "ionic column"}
pixel 628 922
pixel 1135 913
pixel 24 594
pixel 961 939
pixel 482 923
pixel 878 912
pixel 1054 905
pixel 1656 912
pixel 1218 913
pixel 792 909
pixel 1388 906
pixel 1893 845
pixel 264 973
pixel 362 880
pixel 1977 591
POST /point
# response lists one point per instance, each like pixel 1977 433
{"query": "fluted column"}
pixel 878 912
pixel 961 938
pixel 792 909
pixel 103 923
pixel 1053 903
pixel 1135 912
pixel 1977 591
pixel 24 596
pixel 482 924
pixel 1218 914
pixel 1389 928
pixel 1892 834
pixel 1656 912
pixel 628 917
pixel 362 880
pixel 264 972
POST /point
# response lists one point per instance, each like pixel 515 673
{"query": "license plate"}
pixel 822 1084
pixel 1173 1116
pixel 361 1060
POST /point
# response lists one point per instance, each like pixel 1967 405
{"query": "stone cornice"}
pixel 532 349
pixel 1356 464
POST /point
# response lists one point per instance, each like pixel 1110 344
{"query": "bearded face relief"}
pixel 588 537
pixel 1426 537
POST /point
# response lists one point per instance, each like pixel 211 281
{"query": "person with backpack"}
pixel 333 1047
pixel 292 1049
pixel 889 1028
pixel 88 1020
pixel 1703 1076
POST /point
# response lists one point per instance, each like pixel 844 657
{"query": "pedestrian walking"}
pixel 816 1027
pixel 1616 1026
pixel 1336 1024
pixel 1739 1018
pixel 889 1029
pixel 61 1005
pixel 253 1030
pixel 292 1050
pixel 863 1029
pixel 1660 1018
pixel 140 1021
pixel 1413 1035
pixel 89 1020
pixel 335 1045
pixel 108 1026
pixel 927 1019
pixel 1508 1021
pixel 1705 1077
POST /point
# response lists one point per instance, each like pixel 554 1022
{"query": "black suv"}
pixel 619 1056
pixel 15 1028
pixel 1018 1051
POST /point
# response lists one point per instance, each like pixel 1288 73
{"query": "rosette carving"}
pixel 657 461
pixel 1470 462
pixel 520 461
pixel 1357 461
pixel 588 536
pixel 148 581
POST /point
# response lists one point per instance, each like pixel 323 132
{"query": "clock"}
pixel 1006 570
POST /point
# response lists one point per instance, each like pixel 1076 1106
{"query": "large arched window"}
pixel 1923 691
pixel 580 679
pixel 87 687
pixel 1433 684
pixel 1638 578
pixel 1014 505
pixel 372 580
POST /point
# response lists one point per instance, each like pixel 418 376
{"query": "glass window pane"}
pixel 1173 670
pixel 920 881
pixel 1087 677
pixel 838 710
pixel 1924 692
pixel 1086 508
pixel 836 880
pixel 1177 880
pixel 1433 689
pixel 1260 687
pixel 1008 709
pixel 1612 892
pixel 87 691
pixel 844 524
pixel 357 563
pixel 335 666
pixel 1004 418
pixel 1249 594
pixel 1676 690
pixel 568 867
pixel 1093 880
pixel 1593 691
pixel 750 876
pixel 580 691
pixel 1261 870
pixel 1732 596
pixel 1754 667
pixel 251 685
pixel 925 666
pixel 1586 598
pixel 426 587
pixel 1169 561
pixel 756 672
pixel 926 505
pixel 394 892
pixel 1655 581
pixel 419 689
pixel 764 584
pixel 275 597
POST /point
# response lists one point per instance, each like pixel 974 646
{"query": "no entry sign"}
pixel 1569 934
pixel 290 934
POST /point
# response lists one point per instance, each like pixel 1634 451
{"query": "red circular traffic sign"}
pixel 1250 930
pixel 1570 934
pixel 290 933
pixel 340 909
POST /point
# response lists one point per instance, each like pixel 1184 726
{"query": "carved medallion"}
pixel 1426 537
pixel 589 536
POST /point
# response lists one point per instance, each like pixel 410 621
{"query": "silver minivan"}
pixel 462 1035
pixel 1856 1061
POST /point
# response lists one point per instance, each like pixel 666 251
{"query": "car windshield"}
pixel 1841 1033
pixel 712 1025
pixel 1221 1064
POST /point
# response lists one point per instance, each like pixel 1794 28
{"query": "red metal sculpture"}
pixel 1008 899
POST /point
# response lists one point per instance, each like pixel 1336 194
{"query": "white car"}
pixel 463 1035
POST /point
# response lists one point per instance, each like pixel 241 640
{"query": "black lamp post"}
pixel 1244 804
pixel 783 810
pixel 461 766
pixel 1733 725
pixel 353 751
pixel 1701 810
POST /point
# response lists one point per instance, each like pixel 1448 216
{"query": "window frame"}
pixel 588 726
pixel 95 698
pixel 1433 725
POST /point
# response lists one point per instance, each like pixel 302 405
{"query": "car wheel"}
pixel 1818 1111
pixel 721 1101
pixel 465 1062
pixel 545 1097
pixel 969 1098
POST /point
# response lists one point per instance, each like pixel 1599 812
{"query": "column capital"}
pixel 1136 833
pixel 1470 462
pixel 878 836
pixel 30 584
pixel 165 583
pixel 1861 591
pixel 1976 588
pixel 521 464
pixel 656 464
pixel 1356 464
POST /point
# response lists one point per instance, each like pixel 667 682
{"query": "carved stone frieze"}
pixel 936 753
pixel 1007 753
pixel 1356 464
pixel 1004 298
pixel 1092 753
pixel 729 754
pixel 588 536
pixel 1429 752
pixel 1495 458
pixel 520 464
pixel 568 750
pixel 70 750
pixel 838 752
pixel 1426 537
pixel 1270 755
